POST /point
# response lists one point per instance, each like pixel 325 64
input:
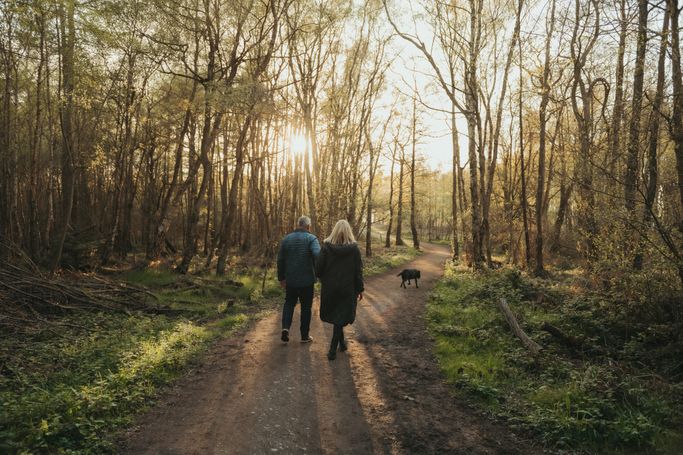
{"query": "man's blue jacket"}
pixel 296 258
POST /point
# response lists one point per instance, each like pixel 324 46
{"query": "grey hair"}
pixel 304 221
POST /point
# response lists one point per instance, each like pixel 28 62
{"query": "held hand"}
pixel 283 284
pixel 360 296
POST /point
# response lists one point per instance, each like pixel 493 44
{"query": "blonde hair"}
pixel 341 234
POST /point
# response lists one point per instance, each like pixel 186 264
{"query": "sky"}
pixel 411 69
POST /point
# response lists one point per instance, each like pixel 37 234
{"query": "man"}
pixel 295 271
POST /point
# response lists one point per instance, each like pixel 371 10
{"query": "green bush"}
pixel 79 386
pixel 607 398
pixel 68 387
pixel 384 259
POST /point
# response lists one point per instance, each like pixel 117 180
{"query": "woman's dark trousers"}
pixel 337 337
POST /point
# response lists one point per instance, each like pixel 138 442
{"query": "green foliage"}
pixel 150 277
pixel 616 397
pixel 67 393
pixel 384 259
pixel 652 294
pixel 68 387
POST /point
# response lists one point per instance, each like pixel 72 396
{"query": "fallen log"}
pixel 28 296
pixel 528 343
pixel 568 340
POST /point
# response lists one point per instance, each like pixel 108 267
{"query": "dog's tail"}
pixel 401 273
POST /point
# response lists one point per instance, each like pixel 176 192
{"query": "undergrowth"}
pixel 619 390
pixel 70 385
pixel 384 259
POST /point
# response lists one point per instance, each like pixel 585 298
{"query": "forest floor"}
pixel 609 376
pixel 70 380
pixel 253 394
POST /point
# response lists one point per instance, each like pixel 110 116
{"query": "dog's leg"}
pixel 416 283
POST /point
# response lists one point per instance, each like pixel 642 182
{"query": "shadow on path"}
pixel 255 395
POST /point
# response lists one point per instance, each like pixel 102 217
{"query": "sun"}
pixel 298 142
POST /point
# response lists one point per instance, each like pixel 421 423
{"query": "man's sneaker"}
pixel 308 339
pixel 285 335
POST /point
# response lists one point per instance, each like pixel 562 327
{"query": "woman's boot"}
pixel 342 343
pixel 335 341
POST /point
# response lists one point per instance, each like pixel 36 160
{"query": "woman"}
pixel 340 270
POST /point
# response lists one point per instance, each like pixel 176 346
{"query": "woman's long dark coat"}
pixel 340 270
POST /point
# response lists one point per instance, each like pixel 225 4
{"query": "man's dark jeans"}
pixel 303 295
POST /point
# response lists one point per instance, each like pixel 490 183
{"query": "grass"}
pixel 441 242
pixel 384 259
pixel 65 391
pixel 68 387
pixel 608 401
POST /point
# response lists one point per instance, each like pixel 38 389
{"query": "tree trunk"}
pixel 523 197
pixel 565 195
pixel 34 191
pixel 387 240
pixel 472 107
pixel 584 119
pixel 310 186
pixel 653 140
pixel 175 191
pixel 618 112
pixel 508 204
pixel 399 215
pixel 368 216
pixel 454 195
pixel 677 111
pixel 6 169
pixel 229 216
pixel 413 227
pixel 66 111
pixel 374 155
pixel 210 208
pixel 462 199
pixel 543 120
pixel 486 200
pixel 631 177
pixel 210 128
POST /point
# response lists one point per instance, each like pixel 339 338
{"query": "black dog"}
pixel 409 274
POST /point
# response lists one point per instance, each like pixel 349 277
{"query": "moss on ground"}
pixel 69 386
pixel 607 396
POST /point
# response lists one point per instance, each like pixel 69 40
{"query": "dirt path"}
pixel 255 395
